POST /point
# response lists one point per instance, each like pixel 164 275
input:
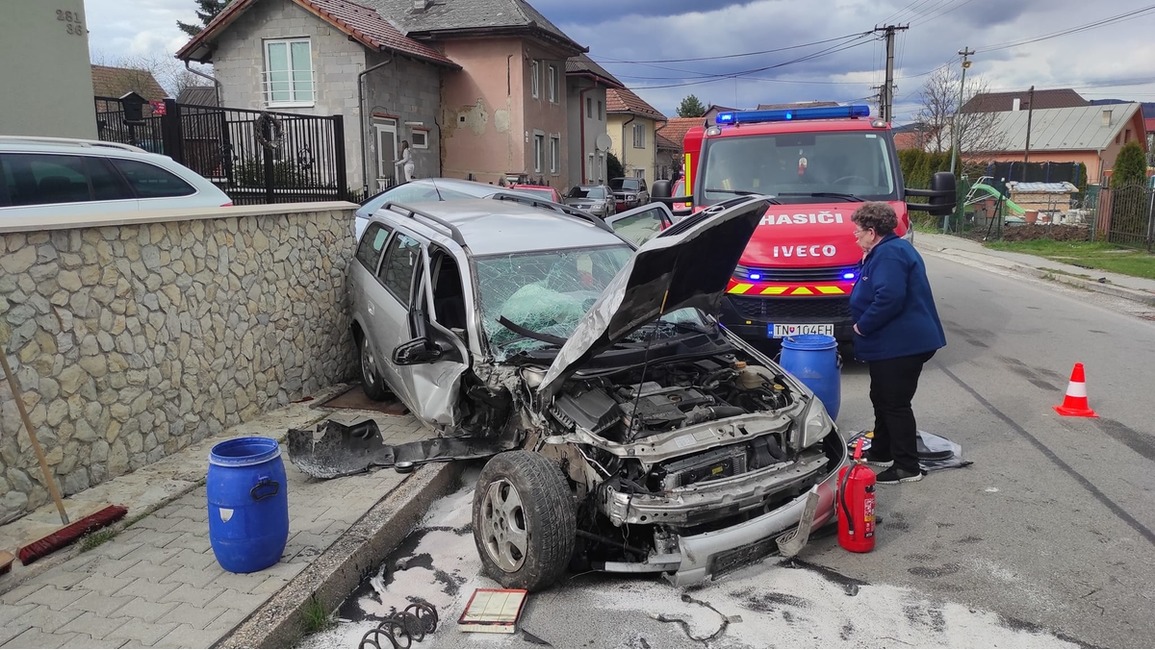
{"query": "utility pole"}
pixel 956 143
pixel 887 95
pixel 1030 111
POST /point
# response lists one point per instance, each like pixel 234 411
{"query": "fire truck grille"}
pixel 791 308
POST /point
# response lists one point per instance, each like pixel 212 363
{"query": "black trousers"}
pixel 893 383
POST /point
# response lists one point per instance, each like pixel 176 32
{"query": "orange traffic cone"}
pixel 1075 401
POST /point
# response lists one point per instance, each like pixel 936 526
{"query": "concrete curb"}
pixel 341 567
pixel 1044 273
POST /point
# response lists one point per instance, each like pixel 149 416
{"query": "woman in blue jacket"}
pixel 896 331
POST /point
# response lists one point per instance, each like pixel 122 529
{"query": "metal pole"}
pixel 955 144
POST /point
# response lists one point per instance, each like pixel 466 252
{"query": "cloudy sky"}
pixel 741 54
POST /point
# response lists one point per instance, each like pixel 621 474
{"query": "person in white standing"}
pixel 405 162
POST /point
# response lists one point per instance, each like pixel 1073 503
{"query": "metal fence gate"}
pixel 1126 216
pixel 255 156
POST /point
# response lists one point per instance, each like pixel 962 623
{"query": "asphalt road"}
pixel 1046 540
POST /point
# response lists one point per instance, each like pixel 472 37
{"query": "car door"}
pixel 639 225
pixel 433 386
pixel 368 297
pixel 391 296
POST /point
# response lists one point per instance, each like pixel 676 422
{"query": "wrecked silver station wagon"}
pixel 626 430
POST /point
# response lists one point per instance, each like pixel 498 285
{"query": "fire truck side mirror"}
pixel 660 189
pixel 942 199
pixel 942 195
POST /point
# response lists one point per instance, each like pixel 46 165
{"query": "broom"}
pixel 71 532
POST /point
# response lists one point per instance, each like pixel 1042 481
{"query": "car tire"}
pixel 524 523
pixel 371 381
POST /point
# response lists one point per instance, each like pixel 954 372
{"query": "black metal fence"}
pixel 1040 172
pixel 254 156
pixel 1126 216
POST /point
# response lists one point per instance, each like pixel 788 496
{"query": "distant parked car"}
pixel 67 176
pixel 541 191
pixel 595 199
pixel 422 189
pixel 629 192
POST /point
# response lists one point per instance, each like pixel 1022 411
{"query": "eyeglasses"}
pixel 861 230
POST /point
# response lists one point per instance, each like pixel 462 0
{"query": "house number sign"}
pixel 73 24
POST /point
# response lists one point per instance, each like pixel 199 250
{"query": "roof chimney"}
pixel 421 5
pixel 1015 103
pixel 1106 117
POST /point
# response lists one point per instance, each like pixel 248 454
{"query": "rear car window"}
pixel 45 179
pixel 397 270
pixel 150 181
pixel 372 243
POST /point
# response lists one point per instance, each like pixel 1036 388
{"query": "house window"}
pixel 601 112
pixel 590 107
pixel 538 151
pixel 534 77
pixel 554 154
pixel 551 82
pixel 1127 136
pixel 288 72
pixel 639 136
pixel 639 173
pixel 420 139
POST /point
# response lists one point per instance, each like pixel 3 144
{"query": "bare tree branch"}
pixel 940 103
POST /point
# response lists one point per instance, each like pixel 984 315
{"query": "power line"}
pixel 734 56
pixel 1071 30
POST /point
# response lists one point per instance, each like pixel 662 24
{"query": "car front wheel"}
pixel 370 377
pixel 523 520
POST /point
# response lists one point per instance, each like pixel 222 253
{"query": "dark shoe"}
pixel 896 475
pixel 878 462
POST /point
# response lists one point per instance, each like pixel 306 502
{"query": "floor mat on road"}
pixel 355 398
pixel 934 451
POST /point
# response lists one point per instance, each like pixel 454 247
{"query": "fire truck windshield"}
pixel 799 165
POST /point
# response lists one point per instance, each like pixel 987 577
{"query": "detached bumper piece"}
pixel 345 450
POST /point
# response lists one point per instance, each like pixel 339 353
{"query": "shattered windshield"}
pixel 548 292
pixel 803 164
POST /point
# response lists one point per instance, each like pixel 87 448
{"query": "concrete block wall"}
pixel 132 341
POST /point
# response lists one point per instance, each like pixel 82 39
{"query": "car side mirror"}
pixel 660 189
pixel 416 352
pixel 942 195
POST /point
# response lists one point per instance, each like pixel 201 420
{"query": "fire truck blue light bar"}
pixel 789 115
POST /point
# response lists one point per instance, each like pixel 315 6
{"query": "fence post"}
pixel 339 154
pixel 1150 218
pixel 171 133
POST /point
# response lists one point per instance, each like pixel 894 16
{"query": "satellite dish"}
pixel 602 142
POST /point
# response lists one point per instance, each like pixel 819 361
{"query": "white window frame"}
pixel 534 78
pixel 298 97
pixel 554 154
pixel 538 151
pixel 419 138
pixel 639 136
pixel 551 82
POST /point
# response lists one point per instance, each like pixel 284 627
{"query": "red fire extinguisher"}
pixel 856 505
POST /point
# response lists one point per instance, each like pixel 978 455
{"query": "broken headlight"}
pixel 814 424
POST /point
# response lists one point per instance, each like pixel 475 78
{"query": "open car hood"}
pixel 687 265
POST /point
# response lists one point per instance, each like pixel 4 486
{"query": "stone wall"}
pixel 132 341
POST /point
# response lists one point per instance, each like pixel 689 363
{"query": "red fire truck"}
pixel 820 164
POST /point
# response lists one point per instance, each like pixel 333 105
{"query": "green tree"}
pixel 614 167
pixel 1130 166
pixel 691 107
pixel 208 10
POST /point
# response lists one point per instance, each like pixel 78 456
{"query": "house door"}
pixel 386 132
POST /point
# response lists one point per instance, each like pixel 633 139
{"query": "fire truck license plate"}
pixel 778 330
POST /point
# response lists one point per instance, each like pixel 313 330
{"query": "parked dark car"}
pixel 630 192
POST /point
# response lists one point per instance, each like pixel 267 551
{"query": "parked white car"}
pixel 60 176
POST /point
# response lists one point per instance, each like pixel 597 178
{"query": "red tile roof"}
pixel 676 128
pixel 1000 102
pixel 359 22
pixel 623 100
pixel 109 81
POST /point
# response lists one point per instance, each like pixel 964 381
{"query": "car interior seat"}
pixel 448 295
pixel 61 189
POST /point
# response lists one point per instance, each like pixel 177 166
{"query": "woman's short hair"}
pixel 877 216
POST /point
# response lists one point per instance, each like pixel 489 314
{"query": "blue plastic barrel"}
pixel 813 358
pixel 248 504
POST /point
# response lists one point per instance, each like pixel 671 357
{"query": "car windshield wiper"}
pixel 738 192
pixel 528 333
pixel 831 195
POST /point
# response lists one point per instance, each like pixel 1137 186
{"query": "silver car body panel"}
pixel 698 556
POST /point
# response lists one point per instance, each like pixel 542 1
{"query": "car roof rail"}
pixel 556 207
pixel 454 233
pixel 77 142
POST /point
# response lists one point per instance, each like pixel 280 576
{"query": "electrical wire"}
pixel 734 56
pixel 1070 30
